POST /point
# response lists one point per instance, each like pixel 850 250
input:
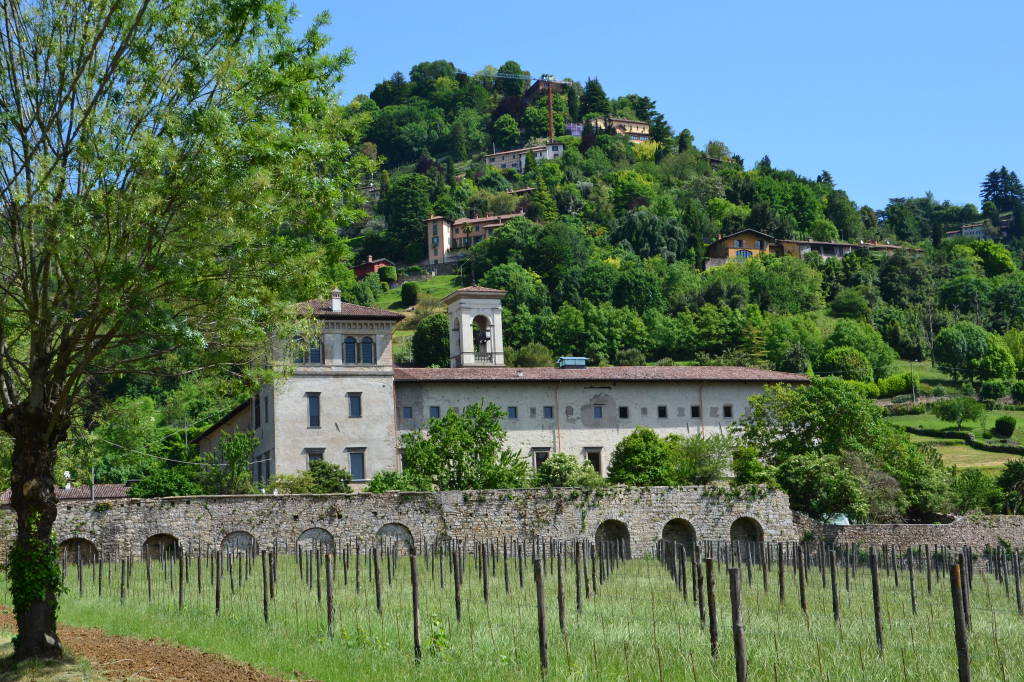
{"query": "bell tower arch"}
pixel 474 327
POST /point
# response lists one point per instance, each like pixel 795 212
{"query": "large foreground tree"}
pixel 171 171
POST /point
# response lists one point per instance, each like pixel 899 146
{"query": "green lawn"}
pixel 954 451
pixel 978 428
pixel 435 287
pixel 925 373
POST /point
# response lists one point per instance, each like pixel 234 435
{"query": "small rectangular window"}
pixel 256 413
pixel 662 411
pixel 727 411
pixel 540 455
pixel 314 455
pixel 549 412
pixel 266 408
pixel 314 353
pixel 357 464
pixel 695 411
pixel 435 412
pixel 406 412
pixel 714 411
pixel 513 413
pixel 355 404
pixel 598 411
pixel 594 458
pixel 313 409
pixel 643 411
pixel 623 412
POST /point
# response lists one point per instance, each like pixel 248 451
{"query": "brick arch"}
pixel 680 531
pixel 316 538
pixel 614 531
pixel 239 542
pixel 74 548
pixel 396 531
pixel 160 546
pixel 746 529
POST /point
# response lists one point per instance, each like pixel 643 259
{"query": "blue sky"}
pixel 894 98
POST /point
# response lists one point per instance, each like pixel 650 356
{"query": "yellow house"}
pixel 740 246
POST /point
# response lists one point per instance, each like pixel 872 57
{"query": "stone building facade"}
pixel 640 516
pixel 345 402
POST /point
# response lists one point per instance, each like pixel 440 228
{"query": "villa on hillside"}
pixel 750 243
pixel 515 159
pixel 345 402
pixel 449 241
pixel 636 131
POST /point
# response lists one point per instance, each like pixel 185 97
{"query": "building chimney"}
pixel 336 300
pixel 369 258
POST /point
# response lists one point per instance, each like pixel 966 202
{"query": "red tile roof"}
pixel 349 311
pixel 102 491
pixel 474 290
pixel 646 373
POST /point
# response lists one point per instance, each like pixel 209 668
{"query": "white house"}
pixel 346 403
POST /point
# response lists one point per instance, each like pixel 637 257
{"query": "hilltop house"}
pixel 515 159
pixel 637 131
pixel 749 243
pixel 370 265
pixel 345 402
pixel 448 241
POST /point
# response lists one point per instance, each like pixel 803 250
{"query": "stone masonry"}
pixel 121 527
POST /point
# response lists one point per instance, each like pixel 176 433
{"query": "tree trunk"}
pixel 34 571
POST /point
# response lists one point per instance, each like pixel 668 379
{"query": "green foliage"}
pixel 1011 481
pixel 533 354
pixel 845 362
pixel 896 384
pixel 821 486
pixel 1005 426
pixel 410 294
pixel 967 351
pixel 384 481
pixel 958 410
pixel 975 491
pixel 321 477
pixel 697 459
pixel 430 342
pixel 225 470
pixel 867 340
pixel 34 571
pixel 850 303
pixel 167 482
pixel 464 451
pixel 388 273
pixel 565 471
pixel 993 389
pixel 506 132
pixel 638 459
pixel 1017 392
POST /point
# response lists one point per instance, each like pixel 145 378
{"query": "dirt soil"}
pixel 125 658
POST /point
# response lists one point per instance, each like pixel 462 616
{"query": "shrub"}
pixel 868 389
pixel 1005 426
pixel 697 459
pixel 845 362
pixel 1017 391
pixel 629 357
pixel 533 354
pixel 166 482
pixel 565 471
pixel 850 303
pixel 897 384
pixel 406 481
pixel 410 294
pixel 993 389
pixel 322 477
pixel 958 410
pixel 388 273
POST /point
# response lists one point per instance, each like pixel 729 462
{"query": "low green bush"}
pixel 1005 426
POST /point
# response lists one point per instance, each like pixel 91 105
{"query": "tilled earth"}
pixel 125 658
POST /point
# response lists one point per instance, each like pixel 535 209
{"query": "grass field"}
pixel 435 287
pixel 978 428
pixel 639 626
pixel 955 451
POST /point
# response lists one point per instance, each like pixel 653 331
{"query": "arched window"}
pixel 350 350
pixel 368 356
pixel 743 254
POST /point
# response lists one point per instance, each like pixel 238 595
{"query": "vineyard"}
pixel 505 609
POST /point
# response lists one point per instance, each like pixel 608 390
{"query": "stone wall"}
pixel 121 527
pixel 975 531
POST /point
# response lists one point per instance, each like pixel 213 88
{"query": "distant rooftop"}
pixel 641 373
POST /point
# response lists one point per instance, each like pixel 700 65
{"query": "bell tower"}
pixel 474 327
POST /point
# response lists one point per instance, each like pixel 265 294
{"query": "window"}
pixel 540 455
pixel 643 411
pixel 695 411
pixel 513 412
pixel 434 241
pixel 549 412
pixel 714 412
pixel 256 412
pixel 435 412
pixel 308 353
pixel 598 411
pixel 357 464
pixel 314 455
pixel 406 412
pixel 623 412
pixel 313 409
pixel 266 408
pixel 355 404
pixel 435 231
pixel 662 411
pixel 738 243
pixel 349 356
pixel 727 411
pixel 369 355
pixel 744 254
pixel 758 244
pixel 594 457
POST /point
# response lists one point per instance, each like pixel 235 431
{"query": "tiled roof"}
pixel 102 491
pixel 349 311
pixel 646 373
pixel 474 290
pixel 486 218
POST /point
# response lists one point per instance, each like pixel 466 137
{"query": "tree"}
pixel 406 206
pixel 867 340
pixel 1003 188
pixel 1011 481
pixel 846 363
pixel 384 481
pixel 594 100
pixel 967 351
pixel 225 470
pixel 410 294
pixel 525 287
pixel 958 410
pixel 430 342
pixel 697 459
pixel 533 354
pixel 173 481
pixel 513 86
pixel 638 459
pixel 505 132
pixel 464 452
pixel 197 168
